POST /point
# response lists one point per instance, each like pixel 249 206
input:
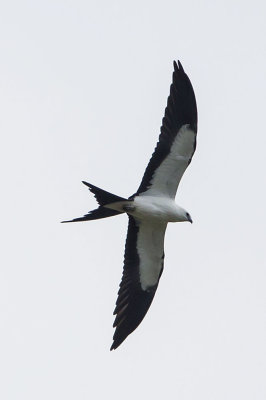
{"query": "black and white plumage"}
pixel 151 207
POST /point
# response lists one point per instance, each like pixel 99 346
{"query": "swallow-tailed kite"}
pixel 151 208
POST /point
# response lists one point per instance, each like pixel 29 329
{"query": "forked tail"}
pixel 104 199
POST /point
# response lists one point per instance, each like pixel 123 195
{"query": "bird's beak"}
pixel 190 220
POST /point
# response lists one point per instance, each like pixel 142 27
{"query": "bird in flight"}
pixel 151 208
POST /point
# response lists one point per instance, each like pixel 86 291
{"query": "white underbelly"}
pixel 154 208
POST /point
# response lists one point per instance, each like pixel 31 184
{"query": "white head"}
pixel 183 215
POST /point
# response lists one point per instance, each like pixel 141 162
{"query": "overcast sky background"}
pixel 83 87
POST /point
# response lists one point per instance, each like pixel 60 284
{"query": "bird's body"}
pixel 151 207
pixel 156 209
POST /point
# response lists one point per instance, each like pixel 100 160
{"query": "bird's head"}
pixel 183 215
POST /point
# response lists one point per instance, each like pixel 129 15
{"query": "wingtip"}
pixel 85 183
pixel 178 66
pixel 115 345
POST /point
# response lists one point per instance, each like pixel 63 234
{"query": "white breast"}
pixel 157 209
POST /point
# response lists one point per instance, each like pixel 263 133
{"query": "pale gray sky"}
pixel 83 90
